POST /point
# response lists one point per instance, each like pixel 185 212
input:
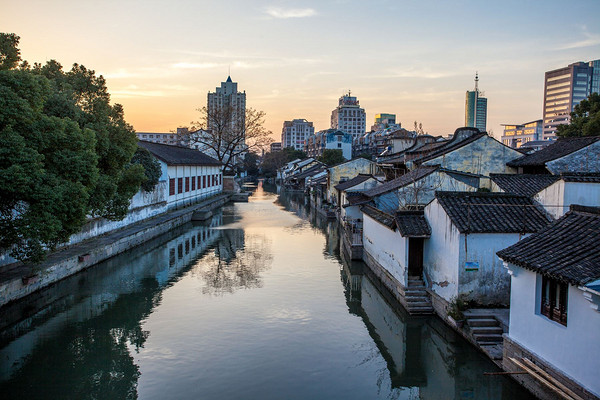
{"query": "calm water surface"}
pixel 255 304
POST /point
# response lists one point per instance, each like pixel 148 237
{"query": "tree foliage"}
pixel 223 134
pixel 65 153
pixel 251 164
pixel 585 119
pixel 332 157
pixel 273 161
pixel 152 170
pixel 10 55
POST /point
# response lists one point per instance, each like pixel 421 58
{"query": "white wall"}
pixel 184 197
pixel 490 284
pixel 563 194
pixel 575 348
pixel 387 247
pixel 441 252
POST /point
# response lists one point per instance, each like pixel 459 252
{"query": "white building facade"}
pixel 294 133
pixel 349 117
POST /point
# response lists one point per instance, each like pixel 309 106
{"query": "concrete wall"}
pixel 490 284
pixel 441 253
pixel 347 170
pixel 583 160
pixel 423 191
pixel 184 198
pixel 563 194
pixel 573 349
pixel 386 247
pixel 484 156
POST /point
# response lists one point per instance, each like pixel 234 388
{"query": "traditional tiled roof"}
pixel 584 177
pixel 357 180
pixel 309 172
pixel 175 155
pixel 379 216
pixel 412 224
pixel 523 184
pixel 558 149
pixel 455 143
pixel 492 212
pixel 355 198
pixel 401 181
pixel 566 250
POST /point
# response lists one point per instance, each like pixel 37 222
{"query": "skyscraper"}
pixel 476 108
pixel 349 117
pixel 227 96
pixel 564 88
pixel 295 132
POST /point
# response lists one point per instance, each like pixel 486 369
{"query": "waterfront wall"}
pixel 25 279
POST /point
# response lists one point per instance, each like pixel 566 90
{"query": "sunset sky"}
pixel 295 59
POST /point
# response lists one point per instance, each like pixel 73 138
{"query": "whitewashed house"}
pixel 352 188
pixel 417 188
pixel 577 154
pixel 344 172
pixel 393 250
pixel 467 229
pixel 570 188
pixel 190 175
pixel 554 326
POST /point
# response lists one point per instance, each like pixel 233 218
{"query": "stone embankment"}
pixel 18 280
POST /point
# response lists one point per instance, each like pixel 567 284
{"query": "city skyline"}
pixel 295 59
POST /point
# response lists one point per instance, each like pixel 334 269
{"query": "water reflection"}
pixel 258 303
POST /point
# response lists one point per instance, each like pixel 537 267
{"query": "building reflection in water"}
pixel 82 332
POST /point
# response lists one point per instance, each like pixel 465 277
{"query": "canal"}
pixel 257 303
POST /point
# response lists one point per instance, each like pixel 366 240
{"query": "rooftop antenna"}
pixel 229 70
pixel 476 81
pixel 349 92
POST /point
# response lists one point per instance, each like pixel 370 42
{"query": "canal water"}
pixel 257 303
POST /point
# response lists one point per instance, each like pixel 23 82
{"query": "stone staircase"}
pixel 417 298
pixel 485 329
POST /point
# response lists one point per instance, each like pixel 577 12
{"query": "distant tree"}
pixel 10 55
pixel 65 153
pixel 231 135
pixel 419 128
pixel 152 170
pixel 332 157
pixel 585 119
pixel 251 164
pixel 366 156
pixel 293 154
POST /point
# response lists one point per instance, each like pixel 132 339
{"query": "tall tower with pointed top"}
pixel 228 96
pixel 476 108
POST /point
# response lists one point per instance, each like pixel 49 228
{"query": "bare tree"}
pixel 419 192
pixel 227 136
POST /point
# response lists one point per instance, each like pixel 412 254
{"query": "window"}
pixel 203 181
pixel 179 185
pixel 187 184
pixel 171 186
pixel 193 183
pixel 554 300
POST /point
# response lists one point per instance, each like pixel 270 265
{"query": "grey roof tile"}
pixel 523 184
pixel 176 155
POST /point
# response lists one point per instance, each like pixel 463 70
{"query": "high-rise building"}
pixel 516 135
pixel 564 88
pixel 227 96
pixel 227 106
pixel 349 117
pixel 476 108
pixel 385 121
pixel 295 133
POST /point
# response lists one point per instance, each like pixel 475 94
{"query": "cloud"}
pixel 185 65
pixel 591 39
pixel 277 12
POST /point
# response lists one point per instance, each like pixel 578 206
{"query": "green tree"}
pixel 332 157
pixel 10 55
pixel 251 164
pixel 152 170
pixel 292 154
pixel 65 153
pixel 585 119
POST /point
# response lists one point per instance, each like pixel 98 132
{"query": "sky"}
pixel 294 59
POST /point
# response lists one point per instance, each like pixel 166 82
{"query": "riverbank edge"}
pixel 18 280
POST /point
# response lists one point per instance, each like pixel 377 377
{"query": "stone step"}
pixel 420 310
pixel 482 322
pixel 418 304
pixel 417 299
pixel 413 283
pixel 413 290
pixel 485 330
pixel 479 316
pixel 488 338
